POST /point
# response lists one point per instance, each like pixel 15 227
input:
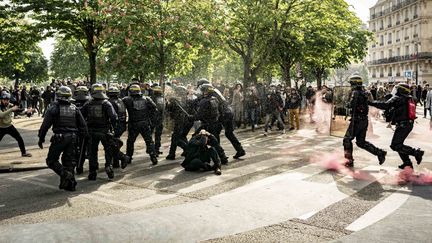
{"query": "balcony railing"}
pixel 421 55
pixel 403 4
pixel 392 9
pixel 389 74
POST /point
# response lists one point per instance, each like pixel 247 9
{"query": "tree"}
pixel 83 20
pixel 69 59
pixel 334 38
pixel 17 43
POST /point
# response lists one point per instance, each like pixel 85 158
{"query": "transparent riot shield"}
pixel 340 111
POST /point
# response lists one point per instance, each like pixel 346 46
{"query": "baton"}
pixel 81 152
pixel 181 108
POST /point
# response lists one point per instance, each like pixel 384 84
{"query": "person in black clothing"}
pixel 179 108
pixel 139 108
pixel 48 97
pixel 201 150
pixel 423 97
pixel 273 107
pixel 359 123
pixel 252 104
pixel 158 116
pixel 101 117
pixel 67 123
pixel 401 112
pixel 292 104
pixel 81 96
pixel 34 98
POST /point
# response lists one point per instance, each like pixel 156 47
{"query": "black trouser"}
pixel 403 129
pixel 357 130
pixel 202 162
pixel 13 132
pixel 228 125
pixel 95 138
pixel 179 135
pixel 117 143
pixel 157 128
pixel 64 145
pixel 136 129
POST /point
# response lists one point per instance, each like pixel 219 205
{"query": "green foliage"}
pixel 69 60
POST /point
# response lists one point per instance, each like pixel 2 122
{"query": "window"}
pixel 407 50
pixel 390 53
pixel 406 15
pixel 397 36
pixel 389 24
pixel 374 56
pixel 390 71
pixel 382 55
pixel 398 52
pixel 415 11
pixel 381 40
pixel 381 24
pixel 397 18
pixel 389 38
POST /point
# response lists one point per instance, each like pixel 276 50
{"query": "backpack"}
pixel 411 109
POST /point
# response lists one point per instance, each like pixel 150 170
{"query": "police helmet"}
pixel 113 91
pixel 98 92
pixel 404 89
pixel 356 80
pixel 181 91
pixel 135 89
pixel 202 81
pixel 81 93
pixel 207 88
pixel 157 89
pixel 64 93
pixel 5 95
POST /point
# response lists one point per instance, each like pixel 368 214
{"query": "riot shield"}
pixel 340 111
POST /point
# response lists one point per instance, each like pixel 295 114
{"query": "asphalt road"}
pixel 279 192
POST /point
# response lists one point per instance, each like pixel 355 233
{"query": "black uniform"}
pixel 119 129
pixel 157 120
pixel 82 145
pixel 201 150
pixel 68 124
pixel 358 127
pixel 398 107
pixel 182 124
pixel 139 108
pixel 101 117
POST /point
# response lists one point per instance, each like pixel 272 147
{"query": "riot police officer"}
pixel 139 108
pixel 226 118
pixel 158 116
pixel 180 108
pixel 208 113
pixel 101 117
pixel 401 111
pixel 359 123
pixel 120 108
pixel 67 123
pixel 81 96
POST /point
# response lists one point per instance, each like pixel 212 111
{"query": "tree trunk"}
pixel 319 72
pixel 286 75
pixel 17 78
pixel 92 60
pixel 247 71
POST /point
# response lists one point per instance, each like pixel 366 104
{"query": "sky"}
pixel 360 7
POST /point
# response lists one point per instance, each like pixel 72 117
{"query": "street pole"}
pixel 417 63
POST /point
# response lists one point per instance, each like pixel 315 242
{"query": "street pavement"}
pixel 278 192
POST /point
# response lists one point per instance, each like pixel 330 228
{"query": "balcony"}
pixel 398 22
pixel 389 42
pixel 421 56
pixel 406 37
pixel 373 16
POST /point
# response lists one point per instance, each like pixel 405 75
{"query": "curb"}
pixel 23 169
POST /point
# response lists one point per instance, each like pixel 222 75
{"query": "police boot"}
pixel 116 164
pixel 217 169
pixel 79 170
pixel 125 160
pixel 71 185
pixel 381 156
pixel 110 172
pixel 153 159
pixel 349 160
pixel 405 165
pixel 418 154
pixel 92 175
pixel 239 154
pixel 65 178
pixel 170 157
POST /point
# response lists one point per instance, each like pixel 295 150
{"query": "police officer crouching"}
pixel 357 128
pixel 101 117
pixel 67 123
pixel 119 129
pixel 401 111
pixel 201 150
pixel 139 108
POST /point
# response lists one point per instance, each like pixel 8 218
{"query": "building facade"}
pixel 402 48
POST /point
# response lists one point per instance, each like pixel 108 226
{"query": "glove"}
pixel 40 144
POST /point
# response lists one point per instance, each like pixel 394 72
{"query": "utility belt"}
pixel 59 137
